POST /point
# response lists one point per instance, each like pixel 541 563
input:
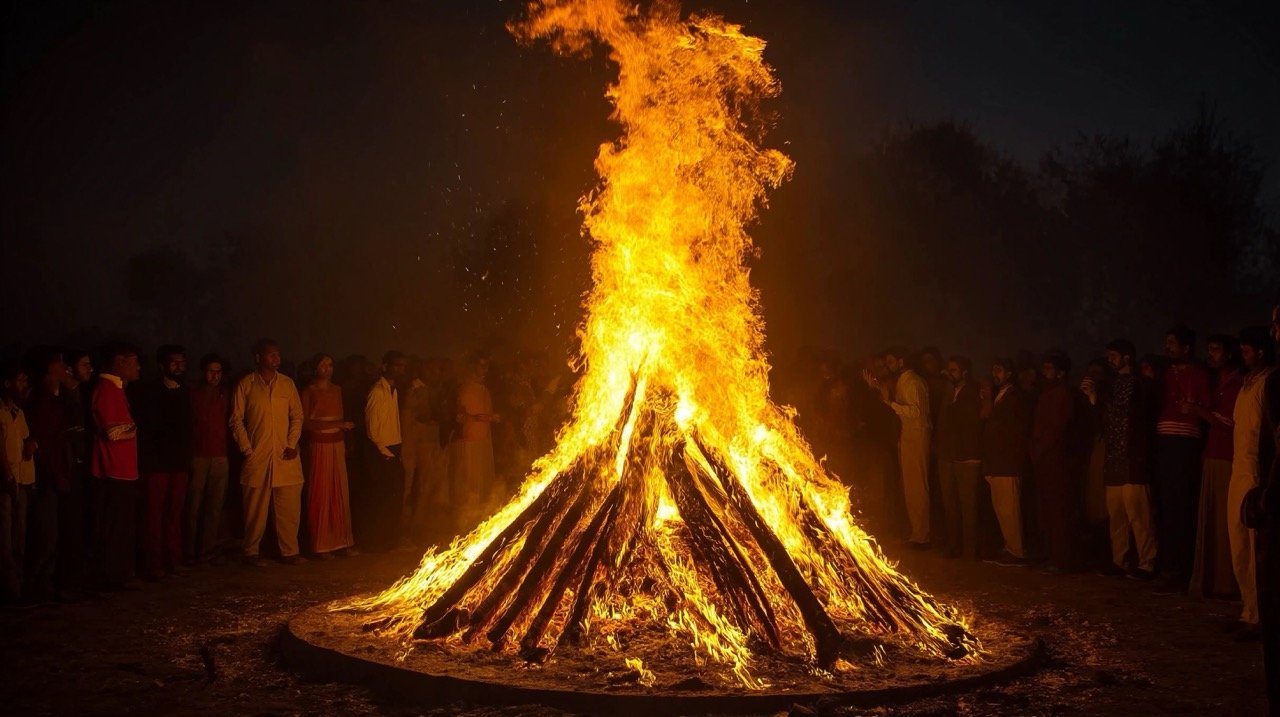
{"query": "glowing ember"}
pixel 679 495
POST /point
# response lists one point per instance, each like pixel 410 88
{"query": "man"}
pixel 47 419
pixel 426 492
pixel 1261 512
pixel 266 421
pixel 1257 351
pixel 1211 571
pixel 206 494
pixel 910 401
pixel 1004 456
pixel 471 470
pixel 1055 459
pixel 162 408
pixel 384 486
pixel 113 494
pixel 73 506
pixel 1176 457
pixel 959 463
pixel 1126 431
pixel 19 482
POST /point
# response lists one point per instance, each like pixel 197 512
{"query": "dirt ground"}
pixel 206 643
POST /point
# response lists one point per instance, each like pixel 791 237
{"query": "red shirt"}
pixel 1220 445
pixel 1183 382
pixel 209 406
pixel 112 459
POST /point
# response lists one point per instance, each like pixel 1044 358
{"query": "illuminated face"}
pixel 1217 355
pixel 955 373
pixel 269 358
pixel 1174 348
pixel 82 371
pixel 1117 360
pixel 213 373
pixel 174 366
pixel 1050 371
pixel 324 369
pixel 999 375
pixel 1251 356
pixel 129 367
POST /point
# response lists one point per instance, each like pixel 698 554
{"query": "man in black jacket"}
pixel 162 409
pixel 1004 455
pixel 960 458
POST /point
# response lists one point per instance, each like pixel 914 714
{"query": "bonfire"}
pixel 678 496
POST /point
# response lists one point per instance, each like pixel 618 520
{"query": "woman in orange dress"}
pixel 328 504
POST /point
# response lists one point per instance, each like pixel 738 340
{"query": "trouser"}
pixel 1211 571
pixel 1129 512
pixel 13 539
pixel 206 494
pixel 1243 552
pixel 164 495
pixel 383 499
pixel 913 457
pixel 1177 493
pixel 73 529
pixel 1006 501
pixel 285 506
pixel 113 509
pixel 42 540
pixel 1058 498
pixel 959 481
pixel 1267 549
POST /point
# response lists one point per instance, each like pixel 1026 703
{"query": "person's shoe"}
pixel 350 552
pixel 1051 569
pixel 256 561
pixel 1007 559
pixel 1111 570
pixel 292 560
pixel 1140 574
pixel 323 556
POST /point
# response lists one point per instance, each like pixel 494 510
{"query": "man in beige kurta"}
pixel 266 420
pixel 910 401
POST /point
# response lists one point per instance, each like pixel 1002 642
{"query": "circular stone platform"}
pixel 333 646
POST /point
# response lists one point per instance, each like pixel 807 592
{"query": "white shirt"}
pixel 266 418
pixel 911 401
pixel 382 416
pixel 1248 429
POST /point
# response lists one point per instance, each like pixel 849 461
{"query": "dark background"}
pixel 355 176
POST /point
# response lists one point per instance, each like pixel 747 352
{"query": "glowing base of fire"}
pixel 330 645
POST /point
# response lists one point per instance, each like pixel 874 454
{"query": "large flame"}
pixel 684 467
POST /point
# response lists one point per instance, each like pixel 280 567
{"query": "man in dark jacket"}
pixel 959 458
pixel 1056 461
pixel 162 409
pixel 1004 455
pixel 1127 427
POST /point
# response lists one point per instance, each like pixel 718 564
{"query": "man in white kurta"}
pixel 266 420
pixel 1247 435
pixel 910 401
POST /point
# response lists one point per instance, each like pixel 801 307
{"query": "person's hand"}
pixel 247 452
pixel 290 453
pixel 870 378
pixel 348 425
pixel 984 391
pixel 386 453
pixel 29 447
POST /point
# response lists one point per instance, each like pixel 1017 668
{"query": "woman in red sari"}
pixel 328 504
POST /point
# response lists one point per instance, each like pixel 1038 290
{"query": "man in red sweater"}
pixel 114 466
pixel 1176 458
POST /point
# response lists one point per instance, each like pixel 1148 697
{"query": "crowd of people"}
pixel 112 479
pixel 1138 468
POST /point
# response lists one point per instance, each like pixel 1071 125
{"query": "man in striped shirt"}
pixel 1176 458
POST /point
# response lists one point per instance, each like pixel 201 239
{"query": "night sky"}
pixel 352 176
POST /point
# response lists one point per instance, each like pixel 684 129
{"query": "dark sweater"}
pixel 1005 435
pixel 164 422
pixel 960 425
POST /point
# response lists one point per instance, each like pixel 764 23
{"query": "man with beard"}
pixel 1004 455
pixel 959 465
pixel 1126 431
pixel 162 410
pixel 910 401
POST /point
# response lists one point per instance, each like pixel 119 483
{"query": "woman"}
pixel 328 506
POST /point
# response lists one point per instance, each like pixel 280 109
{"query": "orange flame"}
pixel 676 373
